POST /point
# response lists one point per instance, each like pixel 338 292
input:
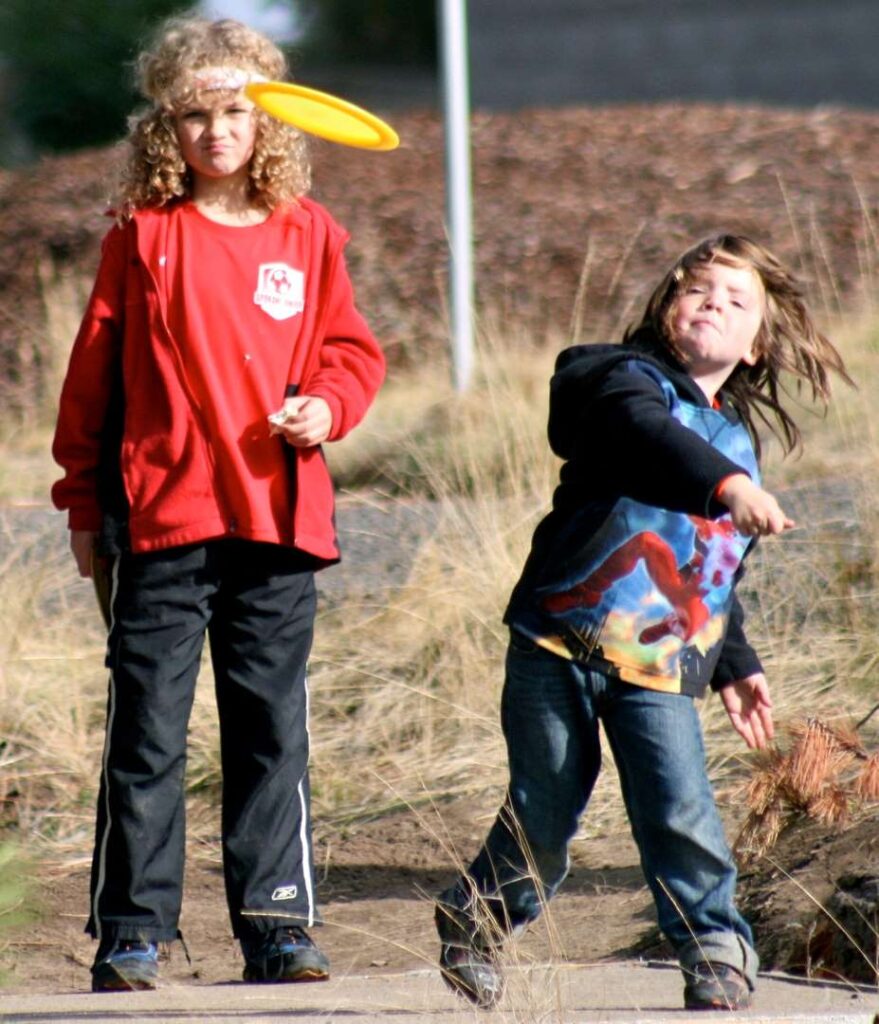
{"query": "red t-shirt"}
pixel 235 302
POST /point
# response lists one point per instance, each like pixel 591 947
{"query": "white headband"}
pixel 233 79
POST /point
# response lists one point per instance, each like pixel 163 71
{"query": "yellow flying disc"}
pixel 323 114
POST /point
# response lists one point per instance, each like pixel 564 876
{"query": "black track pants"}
pixel 256 602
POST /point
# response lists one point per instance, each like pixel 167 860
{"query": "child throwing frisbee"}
pixel 626 611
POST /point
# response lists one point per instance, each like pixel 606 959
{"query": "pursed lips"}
pixel 705 322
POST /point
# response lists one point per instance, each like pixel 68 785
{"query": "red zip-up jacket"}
pixel 183 450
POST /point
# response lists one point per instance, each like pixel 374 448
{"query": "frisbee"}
pixel 322 114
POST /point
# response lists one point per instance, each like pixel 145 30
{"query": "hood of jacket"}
pixel 581 368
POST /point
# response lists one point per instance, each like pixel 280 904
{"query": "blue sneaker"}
pixel 123 965
pixel 285 954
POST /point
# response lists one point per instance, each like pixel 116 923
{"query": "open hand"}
pixel 82 544
pixel 749 707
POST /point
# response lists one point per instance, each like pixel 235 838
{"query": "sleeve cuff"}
pixel 84 519
pixel 721 487
pixel 727 673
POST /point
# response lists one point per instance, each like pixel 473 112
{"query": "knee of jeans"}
pixel 547 825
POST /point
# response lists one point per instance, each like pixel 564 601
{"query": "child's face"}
pixel 217 133
pixel 716 319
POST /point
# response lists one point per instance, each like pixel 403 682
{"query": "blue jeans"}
pixel 550 712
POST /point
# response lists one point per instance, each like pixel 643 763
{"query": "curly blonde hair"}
pixel 788 341
pixel 154 172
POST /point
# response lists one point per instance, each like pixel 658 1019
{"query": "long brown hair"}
pixel 787 343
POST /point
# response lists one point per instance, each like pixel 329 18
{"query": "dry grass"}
pixel 52 691
pixel 422 438
pixel 419 674
pixel 406 687
pixel 17 903
pixel 26 467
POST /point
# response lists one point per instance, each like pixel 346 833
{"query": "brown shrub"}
pixel 579 201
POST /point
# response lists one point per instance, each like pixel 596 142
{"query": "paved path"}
pixel 615 993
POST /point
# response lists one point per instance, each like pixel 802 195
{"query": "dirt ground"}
pixel 376 885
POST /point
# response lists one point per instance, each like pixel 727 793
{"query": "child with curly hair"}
pixel 221 346
pixel 626 610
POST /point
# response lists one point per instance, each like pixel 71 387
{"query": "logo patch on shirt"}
pixel 285 892
pixel 280 290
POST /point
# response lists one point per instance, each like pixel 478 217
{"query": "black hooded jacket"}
pixel 636 489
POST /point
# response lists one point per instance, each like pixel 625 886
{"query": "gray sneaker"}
pixel 714 986
pixel 473 974
pixel 468 957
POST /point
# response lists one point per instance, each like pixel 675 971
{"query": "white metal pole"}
pixel 456 104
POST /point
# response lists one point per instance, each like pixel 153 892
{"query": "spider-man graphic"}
pixel 683 587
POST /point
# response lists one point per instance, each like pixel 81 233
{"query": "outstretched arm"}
pixel 749 707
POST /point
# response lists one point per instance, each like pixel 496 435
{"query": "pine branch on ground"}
pixel 826 775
